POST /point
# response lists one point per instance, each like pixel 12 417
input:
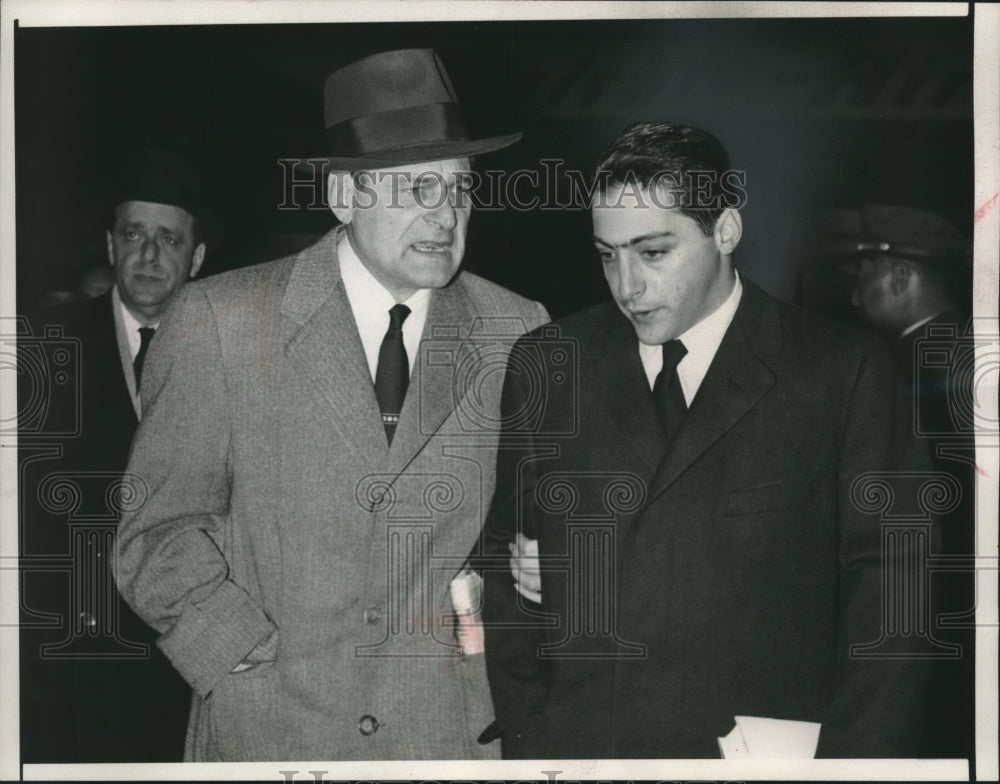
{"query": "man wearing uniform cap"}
pixel 912 266
pixel 318 454
pixel 96 689
pixel 905 259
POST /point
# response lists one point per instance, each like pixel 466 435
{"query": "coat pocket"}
pixel 793 492
pixel 242 713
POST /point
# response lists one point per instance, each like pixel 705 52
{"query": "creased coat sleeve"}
pixel 169 565
pixel 519 681
pixel 877 701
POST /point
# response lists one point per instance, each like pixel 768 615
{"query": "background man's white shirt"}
pixel 129 340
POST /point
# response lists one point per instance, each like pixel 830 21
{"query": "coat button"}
pixel 373 615
pixel 368 725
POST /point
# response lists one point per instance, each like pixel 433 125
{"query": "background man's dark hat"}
pixel 397 107
pixel 901 232
pixel 167 177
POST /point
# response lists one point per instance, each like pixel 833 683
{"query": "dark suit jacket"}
pixel 727 575
pixel 86 696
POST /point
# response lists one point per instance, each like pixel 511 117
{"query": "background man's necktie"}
pixel 145 335
pixel 393 372
pixel 667 393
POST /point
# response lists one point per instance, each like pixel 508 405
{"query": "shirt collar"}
pixel 704 337
pixel 918 325
pixel 702 341
pixel 130 325
pixel 130 322
pixel 369 299
pixel 370 302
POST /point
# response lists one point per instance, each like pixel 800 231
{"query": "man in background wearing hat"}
pixel 910 265
pixel 96 688
pixel 319 454
pixel 913 277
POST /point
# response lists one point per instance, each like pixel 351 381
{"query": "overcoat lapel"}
pixel 324 348
pixel 737 378
pixel 436 383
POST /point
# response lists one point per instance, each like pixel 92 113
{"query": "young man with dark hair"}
pixel 696 486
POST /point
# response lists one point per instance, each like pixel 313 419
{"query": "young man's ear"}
pixel 728 231
pixel 340 195
pixel 110 244
pixel 899 279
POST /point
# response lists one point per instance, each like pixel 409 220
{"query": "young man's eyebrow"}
pixel 634 240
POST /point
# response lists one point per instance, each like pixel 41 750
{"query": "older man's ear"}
pixel 340 195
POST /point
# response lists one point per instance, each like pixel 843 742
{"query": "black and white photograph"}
pixel 501 390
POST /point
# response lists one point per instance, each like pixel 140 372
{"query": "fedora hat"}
pixel 167 177
pixel 394 108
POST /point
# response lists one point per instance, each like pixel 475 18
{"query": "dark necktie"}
pixel 393 372
pixel 145 335
pixel 667 393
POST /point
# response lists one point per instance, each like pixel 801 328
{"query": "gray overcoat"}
pixel 266 498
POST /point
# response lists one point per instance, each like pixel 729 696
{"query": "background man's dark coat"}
pixel 76 707
pixel 942 393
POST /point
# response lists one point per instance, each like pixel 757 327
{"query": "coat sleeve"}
pixel 168 564
pixel 518 679
pixel 879 689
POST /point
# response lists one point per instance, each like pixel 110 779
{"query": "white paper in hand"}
pixel 733 746
pixel 760 738
pixel 466 592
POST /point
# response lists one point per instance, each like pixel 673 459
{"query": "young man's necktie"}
pixel 667 393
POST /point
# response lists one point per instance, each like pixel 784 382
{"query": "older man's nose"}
pixel 444 216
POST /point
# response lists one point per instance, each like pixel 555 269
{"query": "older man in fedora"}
pixel 95 688
pixel 317 455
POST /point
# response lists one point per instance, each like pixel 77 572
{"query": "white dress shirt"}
pixel 370 303
pixel 129 341
pixel 701 341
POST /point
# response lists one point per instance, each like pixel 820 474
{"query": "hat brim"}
pixel 420 153
pixel 847 260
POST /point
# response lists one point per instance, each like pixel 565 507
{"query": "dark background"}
pixel 820 113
